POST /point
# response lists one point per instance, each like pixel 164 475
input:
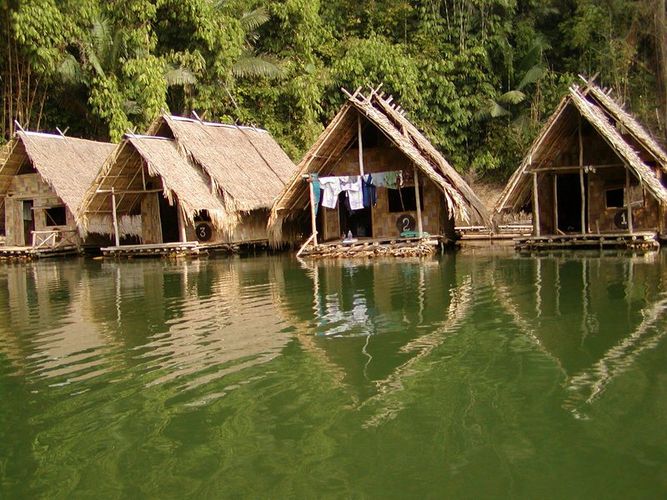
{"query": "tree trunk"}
pixel 661 54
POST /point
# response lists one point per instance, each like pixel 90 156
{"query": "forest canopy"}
pixel 479 77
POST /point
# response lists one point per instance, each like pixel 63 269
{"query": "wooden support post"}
pixel 361 146
pixel 581 179
pixel 313 213
pixel 555 196
pixel 420 228
pixel 583 201
pixel 628 201
pixel 182 236
pixel 536 207
pixel 115 217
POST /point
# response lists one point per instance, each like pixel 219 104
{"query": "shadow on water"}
pixel 464 375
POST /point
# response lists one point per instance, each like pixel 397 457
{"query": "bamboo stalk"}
pixel 536 207
pixel 420 228
pixel 628 201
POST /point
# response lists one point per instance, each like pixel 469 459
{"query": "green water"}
pixel 467 376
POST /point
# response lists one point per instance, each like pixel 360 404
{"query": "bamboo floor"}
pixel 633 241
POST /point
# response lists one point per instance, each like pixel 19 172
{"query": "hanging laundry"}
pixel 330 190
pixel 369 191
pixel 391 180
pixel 355 196
pixel 317 191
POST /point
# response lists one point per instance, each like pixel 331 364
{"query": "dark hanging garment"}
pixel 369 191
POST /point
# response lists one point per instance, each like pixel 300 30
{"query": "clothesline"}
pixel 359 190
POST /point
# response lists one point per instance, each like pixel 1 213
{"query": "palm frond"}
pixel 532 76
pixel 252 20
pixel 497 111
pixel 70 71
pixel 179 76
pixel 512 97
pixel 250 65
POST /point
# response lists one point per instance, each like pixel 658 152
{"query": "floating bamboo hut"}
pixel 43 178
pixel 188 185
pixel 594 177
pixel 417 193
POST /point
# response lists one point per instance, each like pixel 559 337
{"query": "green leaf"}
pixel 512 97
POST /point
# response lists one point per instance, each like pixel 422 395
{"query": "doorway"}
pixel 168 221
pixel 568 190
pixel 28 222
pixel 358 222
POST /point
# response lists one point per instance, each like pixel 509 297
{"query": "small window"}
pixel 614 198
pixel 56 216
pixel 403 199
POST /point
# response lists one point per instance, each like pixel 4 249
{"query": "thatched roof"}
pixel 245 164
pixel 179 179
pixel 325 153
pixel 68 165
pixel 594 106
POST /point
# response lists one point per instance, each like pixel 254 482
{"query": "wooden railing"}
pixel 55 238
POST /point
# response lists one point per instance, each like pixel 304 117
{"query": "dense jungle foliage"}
pixel 478 76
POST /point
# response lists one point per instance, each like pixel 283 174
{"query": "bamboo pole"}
pixel 555 196
pixel 581 179
pixel 420 228
pixel 182 236
pixel 313 213
pixel 583 201
pixel 536 206
pixel 115 217
pixel 628 201
pixel 361 146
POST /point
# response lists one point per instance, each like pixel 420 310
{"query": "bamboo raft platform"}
pixel 631 241
pixel 177 249
pixel 503 232
pixel 29 253
pixel 372 248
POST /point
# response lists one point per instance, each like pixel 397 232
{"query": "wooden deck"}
pixel 376 247
pixel 503 232
pixel 27 253
pixel 189 248
pixel 633 241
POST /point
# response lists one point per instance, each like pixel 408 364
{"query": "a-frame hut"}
pixel 410 194
pixel 43 178
pixel 188 184
pixel 593 177
pixel 147 188
pixel 246 166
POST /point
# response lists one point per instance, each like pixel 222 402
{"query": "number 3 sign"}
pixel 203 231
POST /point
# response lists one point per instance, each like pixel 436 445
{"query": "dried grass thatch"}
pixel 323 156
pixel 594 106
pixel 245 164
pixel 166 169
pixel 68 165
